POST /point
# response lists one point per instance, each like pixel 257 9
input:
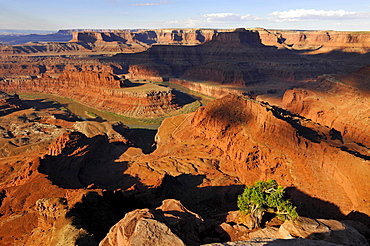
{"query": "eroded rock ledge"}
pixel 102 91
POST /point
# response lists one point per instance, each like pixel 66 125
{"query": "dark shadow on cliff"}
pixel 90 163
pixel 205 201
pixel 182 98
pixel 141 138
pixel 43 104
pixel 238 48
pixel 291 118
pixel 99 211
pixel 312 207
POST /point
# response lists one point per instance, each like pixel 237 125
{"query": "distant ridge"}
pixel 24 32
pixel 16 37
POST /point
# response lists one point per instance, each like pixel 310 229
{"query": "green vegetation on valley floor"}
pixel 84 111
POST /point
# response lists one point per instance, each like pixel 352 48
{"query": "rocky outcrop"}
pixel 204 159
pixel 240 58
pixel 239 35
pixel 140 231
pixel 156 73
pixel 75 161
pixel 102 91
pixel 207 89
pixel 301 231
pixel 322 102
pixel 107 41
pixel 27 67
pixel 169 224
pixel 173 224
pixel 240 141
pixel 140 40
pixel 147 37
pixel 319 41
pixel 201 54
pixel 55 228
pixel 320 229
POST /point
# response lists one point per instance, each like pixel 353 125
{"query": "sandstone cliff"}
pixel 79 187
pixel 101 90
pixel 208 89
pixel 318 41
pixel 147 37
pixel 236 140
pixel 338 102
pixel 240 57
pixel 139 40
pixel 27 66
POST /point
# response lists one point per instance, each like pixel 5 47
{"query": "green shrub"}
pixel 264 197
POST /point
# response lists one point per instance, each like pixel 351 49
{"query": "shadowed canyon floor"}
pixel 290 107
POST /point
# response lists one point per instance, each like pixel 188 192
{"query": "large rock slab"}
pixel 321 229
pixel 140 228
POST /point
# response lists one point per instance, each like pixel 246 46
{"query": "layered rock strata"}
pixel 100 90
pixel 140 40
pixel 236 140
pixel 318 41
pixel 211 90
pixel 239 58
pixel 339 102
pixel 148 37
pixel 204 159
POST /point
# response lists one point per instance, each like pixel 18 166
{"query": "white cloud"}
pixel 302 18
pixel 217 20
pixel 302 14
pixel 150 4
pixel 228 17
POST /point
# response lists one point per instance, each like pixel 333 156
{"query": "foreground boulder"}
pixel 173 224
pixel 274 242
pixel 140 228
pixel 163 226
pixel 321 229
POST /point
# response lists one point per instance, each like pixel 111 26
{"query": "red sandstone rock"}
pixel 247 141
pixel 102 91
pixel 323 102
pixel 320 229
pixel 141 227
pixel 320 41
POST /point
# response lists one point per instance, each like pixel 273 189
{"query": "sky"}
pixel 340 15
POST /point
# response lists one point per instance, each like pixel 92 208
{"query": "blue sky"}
pixel 149 14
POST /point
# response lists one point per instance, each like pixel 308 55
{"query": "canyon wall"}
pixel 140 40
pixel 206 88
pixel 100 90
pixel 15 66
pixel 321 41
pixel 151 72
pixel 339 102
pixel 235 139
pixel 238 58
pixel 159 36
